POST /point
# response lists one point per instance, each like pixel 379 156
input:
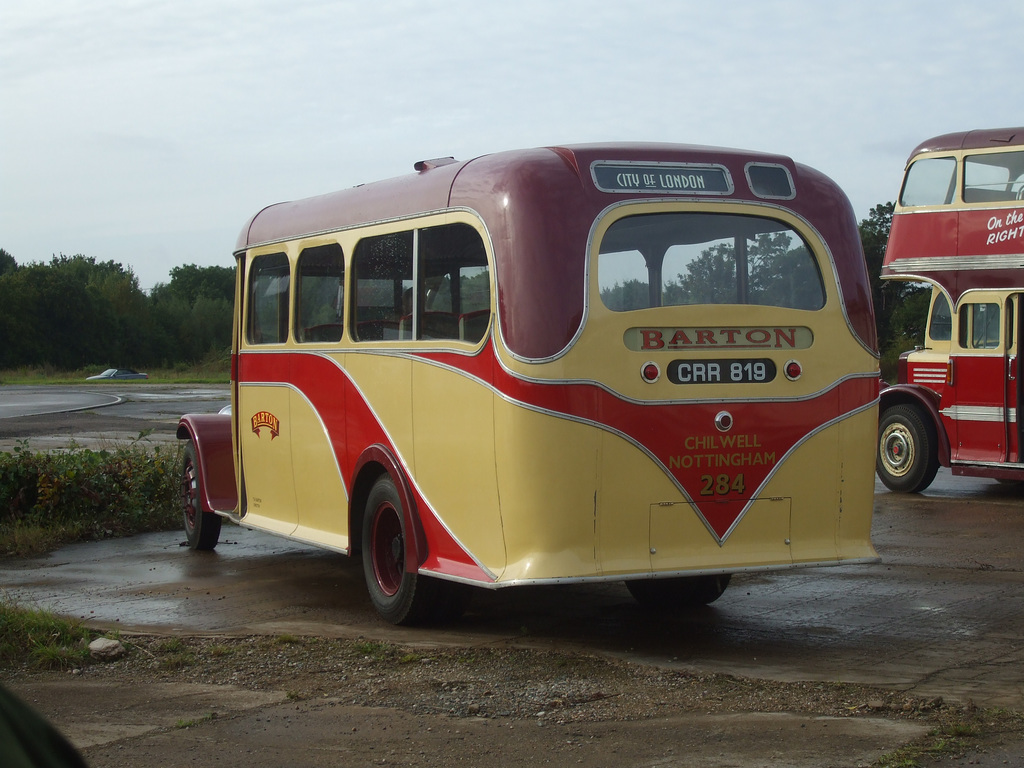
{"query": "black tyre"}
pixel 679 593
pixel 400 596
pixel 908 453
pixel 202 529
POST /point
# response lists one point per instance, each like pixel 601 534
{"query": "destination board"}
pixel 662 178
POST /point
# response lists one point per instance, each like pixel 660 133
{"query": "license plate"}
pixel 726 371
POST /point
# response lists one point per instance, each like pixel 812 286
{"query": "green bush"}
pixel 51 498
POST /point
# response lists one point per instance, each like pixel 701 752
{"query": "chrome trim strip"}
pixel 928 376
pixel 351 227
pixel 241 522
pixel 648 575
pixel 590 382
pixel 993 464
pixel 960 263
pixel 980 413
pixel 957 205
pixel 686 400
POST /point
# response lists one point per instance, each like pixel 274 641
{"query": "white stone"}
pixel 104 648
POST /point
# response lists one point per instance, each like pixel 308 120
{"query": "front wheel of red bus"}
pixel 679 593
pixel 400 596
pixel 907 457
pixel 202 529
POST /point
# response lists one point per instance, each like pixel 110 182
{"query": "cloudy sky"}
pixel 148 132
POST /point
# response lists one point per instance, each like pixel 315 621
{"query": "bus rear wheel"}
pixel 202 529
pixel 401 596
pixel 907 457
pixel 679 593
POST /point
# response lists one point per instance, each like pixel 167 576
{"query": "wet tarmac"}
pixel 30 401
pixel 100 416
pixel 941 615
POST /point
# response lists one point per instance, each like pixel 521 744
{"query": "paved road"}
pixel 37 401
pixel 100 415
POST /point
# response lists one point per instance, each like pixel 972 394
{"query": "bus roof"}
pixel 977 139
pixel 438 182
pixel 556 197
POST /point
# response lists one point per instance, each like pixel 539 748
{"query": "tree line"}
pixel 901 308
pixel 75 312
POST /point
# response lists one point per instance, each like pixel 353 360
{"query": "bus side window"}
pixel 940 328
pixel 382 267
pixel 455 290
pixel 268 299
pixel 993 177
pixel 320 294
pixel 979 326
pixel 930 181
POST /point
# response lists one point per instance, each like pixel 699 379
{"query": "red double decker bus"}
pixel 647 363
pixel 959 226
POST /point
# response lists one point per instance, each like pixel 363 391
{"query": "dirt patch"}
pixel 262 701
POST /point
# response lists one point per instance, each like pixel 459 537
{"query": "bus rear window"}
pixel 672 259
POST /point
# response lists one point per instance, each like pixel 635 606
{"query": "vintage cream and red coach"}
pixel 959 226
pixel 637 362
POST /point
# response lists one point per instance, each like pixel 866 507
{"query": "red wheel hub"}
pixel 387 547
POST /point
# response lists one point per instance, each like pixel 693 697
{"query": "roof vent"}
pixel 437 162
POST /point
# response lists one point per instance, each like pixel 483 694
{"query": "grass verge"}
pixel 30 637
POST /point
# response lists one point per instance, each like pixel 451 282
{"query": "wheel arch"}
pixel 927 401
pixel 375 461
pixel 210 433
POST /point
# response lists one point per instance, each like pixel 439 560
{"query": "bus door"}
pixel 263 403
pixel 1014 379
pixel 979 364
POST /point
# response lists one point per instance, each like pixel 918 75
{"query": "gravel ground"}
pixel 506 683
pixel 496 688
